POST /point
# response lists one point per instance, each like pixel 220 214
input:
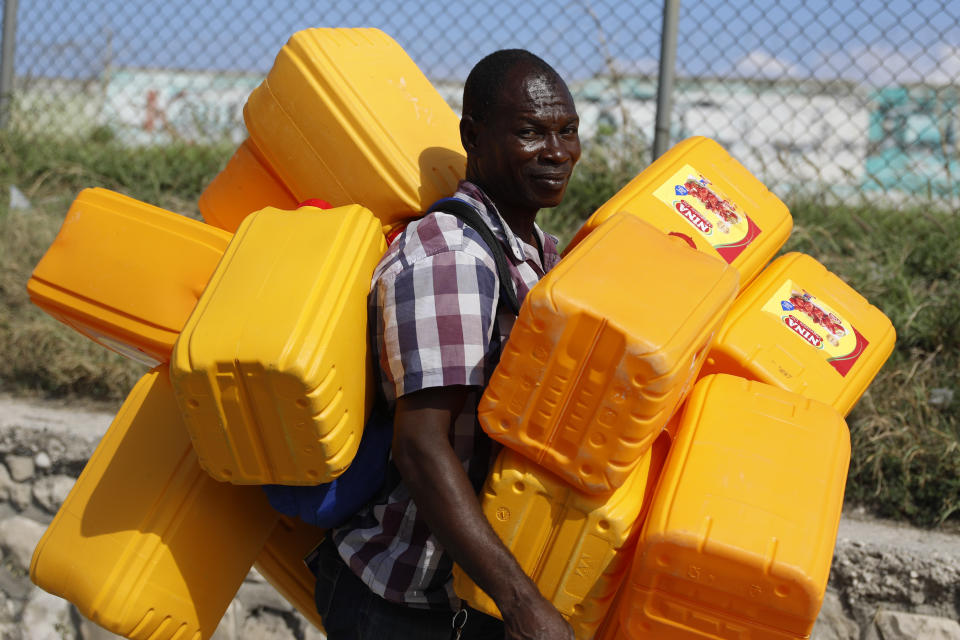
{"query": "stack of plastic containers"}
pixel 272 373
pixel 605 348
pixel 598 360
pixel 579 391
pixel 168 563
pixel 147 544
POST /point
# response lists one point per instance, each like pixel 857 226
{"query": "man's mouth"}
pixel 552 180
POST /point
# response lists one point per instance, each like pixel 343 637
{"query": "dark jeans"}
pixel 350 611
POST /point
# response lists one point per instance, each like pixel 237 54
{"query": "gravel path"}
pixel 54 416
pixel 858 527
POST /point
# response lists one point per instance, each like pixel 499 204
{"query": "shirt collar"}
pixel 521 251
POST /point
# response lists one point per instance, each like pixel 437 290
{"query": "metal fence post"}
pixel 668 63
pixel 6 59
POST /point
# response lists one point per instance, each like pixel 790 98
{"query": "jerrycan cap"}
pixel 315 202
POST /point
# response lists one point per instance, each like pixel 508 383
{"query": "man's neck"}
pixel 519 220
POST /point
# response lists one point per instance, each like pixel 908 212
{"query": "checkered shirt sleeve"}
pixel 436 316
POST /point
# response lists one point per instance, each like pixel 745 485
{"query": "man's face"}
pixel 525 153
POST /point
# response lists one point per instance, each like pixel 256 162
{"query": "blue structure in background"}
pixel 913 141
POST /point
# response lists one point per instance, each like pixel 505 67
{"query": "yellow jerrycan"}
pixel 125 273
pixel 698 192
pixel 245 185
pixel 576 547
pixel 801 328
pixel 740 536
pixel 271 369
pixel 147 544
pixel 346 115
pixel 281 563
pixel 605 349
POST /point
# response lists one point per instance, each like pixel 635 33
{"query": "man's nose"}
pixel 554 149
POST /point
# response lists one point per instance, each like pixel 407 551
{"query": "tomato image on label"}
pixel 700 189
pixel 818 325
pixel 803 301
pixel 716 217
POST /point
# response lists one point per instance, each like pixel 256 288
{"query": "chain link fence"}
pixel 841 100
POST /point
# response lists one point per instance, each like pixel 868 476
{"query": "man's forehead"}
pixel 527 90
pixel 543 87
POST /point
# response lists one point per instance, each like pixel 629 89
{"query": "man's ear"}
pixel 469 134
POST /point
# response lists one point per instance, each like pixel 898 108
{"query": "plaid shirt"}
pixel 435 322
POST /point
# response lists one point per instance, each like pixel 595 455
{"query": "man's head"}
pixel 519 128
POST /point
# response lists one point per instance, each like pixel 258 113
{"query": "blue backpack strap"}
pixel 471 217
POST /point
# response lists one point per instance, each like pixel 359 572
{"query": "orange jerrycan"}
pixel 605 348
pixel 345 114
pixel 802 328
pixel 245 185
pixel 610 628
pixel 271 368
pixel 147 544
pixel 698 192
pixel 281 563
pixel 126 274
pixel 576 547
pixel 741 532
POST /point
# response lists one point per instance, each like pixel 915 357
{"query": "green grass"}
pixel 40 355
pixel 51 171
pixel 906 450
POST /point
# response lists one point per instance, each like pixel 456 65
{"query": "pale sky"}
pixel 882 43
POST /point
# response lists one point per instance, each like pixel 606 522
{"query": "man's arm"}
pixel 443 494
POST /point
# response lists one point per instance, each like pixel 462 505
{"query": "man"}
pixel 438 335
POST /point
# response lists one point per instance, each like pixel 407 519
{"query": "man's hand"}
pixel 444 496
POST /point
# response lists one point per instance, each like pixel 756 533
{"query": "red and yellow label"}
pixel 712 214
pixel 818 325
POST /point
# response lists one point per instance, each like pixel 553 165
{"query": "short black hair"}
pixel 485 80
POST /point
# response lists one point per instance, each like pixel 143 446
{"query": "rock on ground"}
pixel 47 617
pixel 896 625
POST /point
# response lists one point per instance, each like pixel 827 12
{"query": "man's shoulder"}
pixel 435 234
